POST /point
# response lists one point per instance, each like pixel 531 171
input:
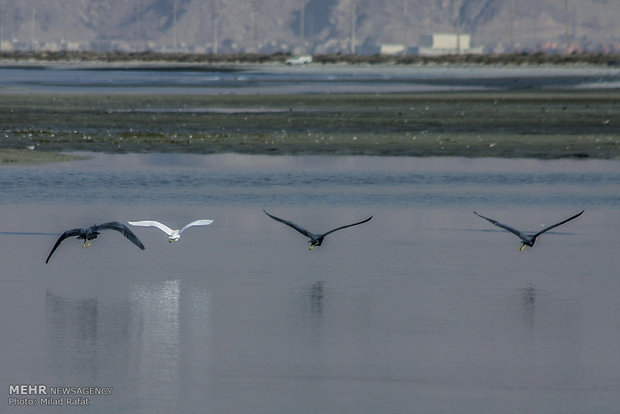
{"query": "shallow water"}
pixel 426 308
pixel 280 79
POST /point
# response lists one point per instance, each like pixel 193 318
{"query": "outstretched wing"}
pixel 68 233
pixel 197 223
pixel 503 226
pixel 291 224
pixel 115 225
pixel 152 223
pixel 558 224
pixel 348 225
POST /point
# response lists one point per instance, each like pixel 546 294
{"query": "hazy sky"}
pixel 314 25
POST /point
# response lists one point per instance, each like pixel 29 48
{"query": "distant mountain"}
pixel 304 26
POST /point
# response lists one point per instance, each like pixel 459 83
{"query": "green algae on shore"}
pixel 28 156
pixel 535 124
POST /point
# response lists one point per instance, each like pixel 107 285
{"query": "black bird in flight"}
pixel 89 233
pixel 315 239
pixel 527 239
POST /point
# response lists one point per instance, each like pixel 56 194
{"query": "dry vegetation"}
pixel 488 59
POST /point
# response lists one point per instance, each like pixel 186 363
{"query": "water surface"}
pixel 280 79
pixel 426 308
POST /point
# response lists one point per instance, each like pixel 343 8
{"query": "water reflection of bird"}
pixel 317 296
pixel 173 235
pixel 528 296
pixel 90 233
pixel 315 239
pixel 527 239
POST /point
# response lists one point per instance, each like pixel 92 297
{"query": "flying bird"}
pixel 90 233
pixel 315 239
pixel 173 235
pixel 527 239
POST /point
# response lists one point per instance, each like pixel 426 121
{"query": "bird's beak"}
pixel 170 240
pixel 522 247
pixel 311 247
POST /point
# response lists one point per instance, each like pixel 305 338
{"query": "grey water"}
pixel 279 79
pixel 424 309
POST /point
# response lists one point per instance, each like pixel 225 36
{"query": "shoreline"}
pixel 32 157
pixel 546 124
pixel 518 59
pixel 530 111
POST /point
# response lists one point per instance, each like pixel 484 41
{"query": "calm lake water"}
pixel 280 79
pixel 424 309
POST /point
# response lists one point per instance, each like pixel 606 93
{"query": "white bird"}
pixel 173 235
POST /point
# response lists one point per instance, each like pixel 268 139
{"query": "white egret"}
pixel 173 235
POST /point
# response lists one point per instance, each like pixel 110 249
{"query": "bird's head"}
pixel 174 237
pixel 92 235
pixel 527 242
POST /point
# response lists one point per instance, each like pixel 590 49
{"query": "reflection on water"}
pixel 529 306
pixel 424 309
pixel 72 333
pixel 139 337
pixel 317 297
pixel 155 341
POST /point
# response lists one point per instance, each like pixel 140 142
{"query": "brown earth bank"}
pixel 513 124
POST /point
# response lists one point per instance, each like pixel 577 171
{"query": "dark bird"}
pixel 527 239
pixel 90 233
pixel 315 239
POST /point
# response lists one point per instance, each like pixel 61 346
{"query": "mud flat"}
pixel 547 124
pixel 27 156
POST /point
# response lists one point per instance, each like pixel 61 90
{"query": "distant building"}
pixel 49 46
pixel 6 45
pixel 69 45
pixel 447 44
pixel 392 49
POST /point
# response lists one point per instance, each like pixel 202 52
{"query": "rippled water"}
pixel 426 308
pixel 224 179
pixel 250 79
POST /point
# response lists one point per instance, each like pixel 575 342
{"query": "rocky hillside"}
pixel 311 26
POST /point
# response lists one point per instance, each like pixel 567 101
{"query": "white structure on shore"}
pixel 447 44
pixel 392 49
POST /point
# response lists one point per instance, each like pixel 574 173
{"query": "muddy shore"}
pixel 533 124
